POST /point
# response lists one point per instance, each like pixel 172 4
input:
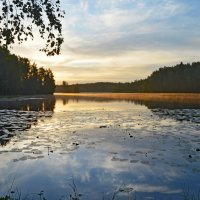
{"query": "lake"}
pixel 100 146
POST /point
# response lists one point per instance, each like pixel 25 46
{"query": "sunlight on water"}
pixel 134 144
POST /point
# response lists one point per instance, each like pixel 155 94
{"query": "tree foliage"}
pixel 18 18
pixel 19 76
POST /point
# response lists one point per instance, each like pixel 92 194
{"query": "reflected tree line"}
pixel 184 110
pixel 43 104
pixel 149 103
pixel 19 76
pixel 181 78
pixel 19 114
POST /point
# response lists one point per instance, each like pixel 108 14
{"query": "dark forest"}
pixel 18 76
pixel 182 78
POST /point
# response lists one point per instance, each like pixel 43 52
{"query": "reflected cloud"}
pixel 151 189
pixel 105 142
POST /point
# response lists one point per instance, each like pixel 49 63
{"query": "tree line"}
pixel 177 79
pixel 19 76
pixel 180 78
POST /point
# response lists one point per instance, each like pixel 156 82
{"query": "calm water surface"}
pixel 142 146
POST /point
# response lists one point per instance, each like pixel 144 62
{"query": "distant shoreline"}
pixel 182 78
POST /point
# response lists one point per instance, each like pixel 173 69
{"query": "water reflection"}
pixel 181 107
pixel 152 101
pixel 152 104
pixel 106 144
pixel 29 103
pixel 19 114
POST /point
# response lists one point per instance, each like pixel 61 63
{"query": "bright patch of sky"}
pixel 121 40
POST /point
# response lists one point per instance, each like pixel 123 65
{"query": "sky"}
pixel 120 40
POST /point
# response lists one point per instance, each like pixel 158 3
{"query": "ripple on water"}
pixel 113 156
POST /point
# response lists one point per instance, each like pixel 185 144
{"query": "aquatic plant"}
pixel 75 195
pixel 187 195
pixel 15 194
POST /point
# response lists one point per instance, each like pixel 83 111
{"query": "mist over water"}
pixel 143 146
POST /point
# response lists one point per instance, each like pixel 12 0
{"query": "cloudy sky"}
pixel 121 40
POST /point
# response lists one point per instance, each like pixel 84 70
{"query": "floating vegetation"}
pixel 149 146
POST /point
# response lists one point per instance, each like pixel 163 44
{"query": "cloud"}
pixel 116 29
pixel 122 34
pixel 84 5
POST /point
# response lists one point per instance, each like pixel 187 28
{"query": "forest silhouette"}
pixel 182 78
pixel 18 76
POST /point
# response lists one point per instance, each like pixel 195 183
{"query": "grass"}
pixel 187 195
pixel 76 195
